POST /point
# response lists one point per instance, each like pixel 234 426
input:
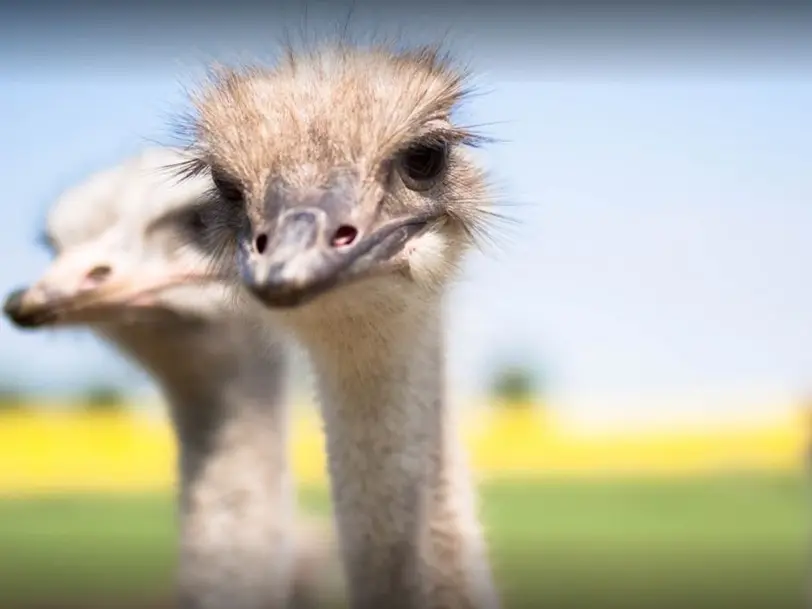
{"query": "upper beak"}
pixel 312 241
pixel 73 290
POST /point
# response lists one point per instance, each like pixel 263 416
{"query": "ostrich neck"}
pixel 225 389
pixel 216 376
pixel 391 364
pixel 397 464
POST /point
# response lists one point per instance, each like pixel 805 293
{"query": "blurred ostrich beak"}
pixel 79 287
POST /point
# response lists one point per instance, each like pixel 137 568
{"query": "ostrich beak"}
pixel 308 242
pixel 76 288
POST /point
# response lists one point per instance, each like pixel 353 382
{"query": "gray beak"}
pixel 312 241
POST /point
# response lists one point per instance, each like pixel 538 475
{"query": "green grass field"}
pixel 737 541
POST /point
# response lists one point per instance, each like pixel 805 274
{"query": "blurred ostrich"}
pixel 122 241
pixel 345 187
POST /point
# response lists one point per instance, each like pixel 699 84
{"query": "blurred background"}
pixel 631 356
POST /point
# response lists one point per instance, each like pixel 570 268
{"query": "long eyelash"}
pixel 473 137
pixel 192 168
pixel 451 137
pixel 216 256
pixel 218 248
pixel 487 229
pixel 445 137
pixel 222 245
pixel 188 169
pixel 195 167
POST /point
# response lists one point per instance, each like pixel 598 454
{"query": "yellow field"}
pixel 82 451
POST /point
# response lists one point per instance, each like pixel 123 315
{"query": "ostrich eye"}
pixel 228 189
pixel 422 164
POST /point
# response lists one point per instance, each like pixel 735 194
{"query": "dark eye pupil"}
pixel 424 162
pixel 227 189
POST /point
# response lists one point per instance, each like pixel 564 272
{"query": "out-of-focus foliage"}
pixel 514 386
pixel 103 398
pixel 12 398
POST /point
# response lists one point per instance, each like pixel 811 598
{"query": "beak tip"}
pixel 13 302
pixel 14 310
pixel 281 300
pixel 276 292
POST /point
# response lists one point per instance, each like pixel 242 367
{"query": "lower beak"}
pixel 299 261
pixel 38 306
pixel 34 306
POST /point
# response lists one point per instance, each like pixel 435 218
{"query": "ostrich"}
pixel 122 240
pixel 348 195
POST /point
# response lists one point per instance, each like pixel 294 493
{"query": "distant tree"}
pixel 514 386
pixel 13 398
pixel 104 398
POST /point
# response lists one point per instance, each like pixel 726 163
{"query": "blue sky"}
pixel 664 225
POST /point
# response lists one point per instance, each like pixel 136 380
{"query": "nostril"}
pixel 99 273
pixel 344 236
pixel 261 243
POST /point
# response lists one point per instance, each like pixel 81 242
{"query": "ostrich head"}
pixel 127 246
pixel 348 179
